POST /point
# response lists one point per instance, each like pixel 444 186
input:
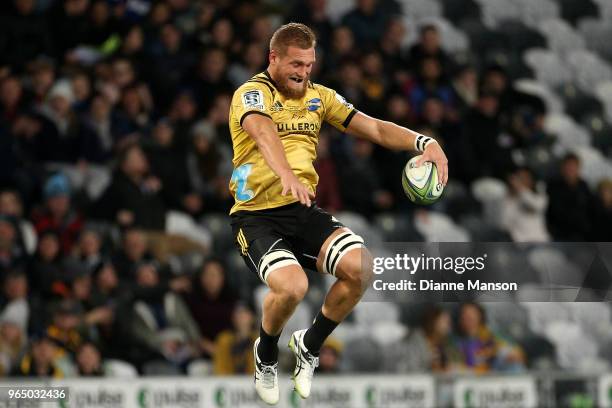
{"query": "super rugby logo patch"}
pixel 253 99
pixel 343 101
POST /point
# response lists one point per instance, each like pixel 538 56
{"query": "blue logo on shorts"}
pixel 313 104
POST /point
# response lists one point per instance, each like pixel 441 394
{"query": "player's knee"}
pixel 356 270
pixel 293 289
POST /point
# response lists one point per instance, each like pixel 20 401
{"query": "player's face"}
pixel 292 70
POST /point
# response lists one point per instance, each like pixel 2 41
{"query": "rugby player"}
pixel 275 119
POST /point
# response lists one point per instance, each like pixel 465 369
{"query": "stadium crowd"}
pixel 115 160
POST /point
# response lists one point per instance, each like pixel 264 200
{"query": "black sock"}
pixel 318 332
pixel 268 347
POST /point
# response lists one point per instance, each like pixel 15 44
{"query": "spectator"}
pixel 107 130
pixel 211 303
pixel 136 102
pixel 342 48
pixel 134 197
pixel 69 25
pixel 429 47
pixel 482 128
pixel 569 194
pixel 209 168
pixel 253 62
pixel 134 250
pixel 13 340
pixel 480 349
pixel 395 61
pixel 430 83
pixel 89 249
pixel 602 216
pixel 40 360
pixel 89 361
pixel 111 299
pixel 163 323
pixel 328 189
pixel 12 254
pixel 174 58
pixel 25 34
pixel 58 214
pixel 14 300
pixel 234 347
pixel 524 209
pixel 425 349
pixel 45 270
pixel 367 21
pixel 12 206
pixel 42 78
pixel 12 99
pixel 465 87
pixel 210 77
pixel 313 13
pixel 81 89
pixel 168 163
pixel 330 356
pixel 67 329
pixel 370 197
pixel 64 132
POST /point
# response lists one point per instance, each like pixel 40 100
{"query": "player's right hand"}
pixel 292 184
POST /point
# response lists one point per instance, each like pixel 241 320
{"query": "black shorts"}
pixel 294 227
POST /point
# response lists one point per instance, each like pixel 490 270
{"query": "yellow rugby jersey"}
pixel 298 121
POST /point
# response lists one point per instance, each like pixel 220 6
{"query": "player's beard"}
pixel 289 92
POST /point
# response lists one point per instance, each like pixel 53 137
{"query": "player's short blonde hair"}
pixel 292 34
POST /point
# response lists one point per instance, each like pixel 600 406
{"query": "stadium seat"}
pixel 507 317
pixel 459 11
pixel 572 345
pixel 574 10
pixel 534 11
pixel 601 132
pixel 603 92
pixel 540 352
pixel 520 37
pixel 541 314
pixel 420 9
pixel 495 11
pixel 454 40
pixel 396 227
pixel 561 37
pixel 199 368
pixel 439 227
pixel 362 355
pixel 336 9
pixel 386 333
pixel 368 313
pixel 490 193
pixel 553 268
pixel 119 369
pixel 569 134
pixel 587 69
pixel 594 166
pixel 219 227
pixel 536 88
pixel 594 317
pixel 547 66
pixel 360 226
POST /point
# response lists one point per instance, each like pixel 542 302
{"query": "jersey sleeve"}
pixel 338 112
pixel 251 98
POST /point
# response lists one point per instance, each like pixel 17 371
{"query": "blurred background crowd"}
pixel 115 159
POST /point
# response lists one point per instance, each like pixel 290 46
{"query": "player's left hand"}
pixel 434 153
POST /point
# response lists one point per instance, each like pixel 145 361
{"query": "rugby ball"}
pixel 421 183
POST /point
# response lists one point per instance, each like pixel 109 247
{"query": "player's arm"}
pixel 392 136
pixel 262 129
